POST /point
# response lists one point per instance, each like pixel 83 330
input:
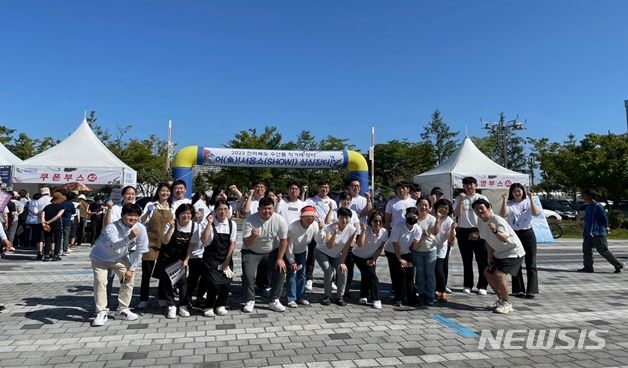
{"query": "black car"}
pixel 561 206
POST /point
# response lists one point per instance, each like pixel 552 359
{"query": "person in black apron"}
pixel 222 232
pixel 177 247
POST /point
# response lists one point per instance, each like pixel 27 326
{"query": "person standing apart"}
pixel 594 235
pixel 467 227
pixel 505 252
pixel 518 209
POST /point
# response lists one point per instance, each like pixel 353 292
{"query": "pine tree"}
pixel 438 134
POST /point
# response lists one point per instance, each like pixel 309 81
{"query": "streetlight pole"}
pixel 500 129
pixel 626 104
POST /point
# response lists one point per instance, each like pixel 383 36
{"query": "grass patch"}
pixel 573 229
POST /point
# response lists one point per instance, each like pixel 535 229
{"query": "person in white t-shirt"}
pixel 251 202
pixel 424 254
pixel 505 252
pixel 323 204
pixel 467 227
pixel 332 253
pixel 396 207
pixel 178 195
pixel 445 230
pixel 362 205
pixel 290 206
pixel 369 247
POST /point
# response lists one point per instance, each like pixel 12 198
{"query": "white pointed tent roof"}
pixel 81 149
pixel 468 160
pixel 7 157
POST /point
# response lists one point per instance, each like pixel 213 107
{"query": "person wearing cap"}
pixel 594 234
pixel 468 242
pixel 51 218
pixel 300 234
pixel 119 248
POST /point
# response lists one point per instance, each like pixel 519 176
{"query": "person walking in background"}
pixel 469 243
pixel 518 209
pixel 595 231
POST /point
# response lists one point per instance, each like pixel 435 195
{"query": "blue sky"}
pixel 333 67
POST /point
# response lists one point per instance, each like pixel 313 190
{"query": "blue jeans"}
pixel 296 285
pixel 424 265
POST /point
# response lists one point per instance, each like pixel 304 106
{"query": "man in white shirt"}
pixel 470 244
pixel 323 204
pixel 396 208
pixel 178 195
pixel 362 205
pixel 290 207
pixel 505 252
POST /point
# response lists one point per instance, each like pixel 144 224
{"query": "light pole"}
pixel 500 129
pixel 626 104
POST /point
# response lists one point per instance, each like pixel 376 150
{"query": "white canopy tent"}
pixel 7 160
pixel 81 157
pixel 468 160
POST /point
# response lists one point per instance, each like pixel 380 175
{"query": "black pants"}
pixel 166 291
pixel 147 272
pixel 402 278
pixel 439 272
pixel 467 249
pixel 309 261
pixel 216 295
pixel 369 281
pixel 196 269
pixel 349 262
pixel 446 264
pixel 34 232
pixel 529 245
pixel 96 225
pixel 55 234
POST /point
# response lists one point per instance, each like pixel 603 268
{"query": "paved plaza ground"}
pixel 49 307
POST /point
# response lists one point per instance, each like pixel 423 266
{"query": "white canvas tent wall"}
pixel 7 160
pixel 468 160
pixel 81 157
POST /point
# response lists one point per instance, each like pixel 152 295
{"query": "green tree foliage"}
pixel 24 146
pixel 442 139
pixel 400 160
pixel 505 146
pixel 597 161
pixel 6 135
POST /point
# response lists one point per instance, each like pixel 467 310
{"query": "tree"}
pixel 6 135
pixel 438 134
pixel 399 160
pixel 506 147
pixel 24 146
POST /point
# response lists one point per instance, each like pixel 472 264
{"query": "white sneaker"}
pixel 248 307
pixel 363 301
pixel 504 308
pixel 208 313
pixel 183 311
pixel 474 289
pixel 221 311
pixel 308 285
pixel 100 319
pixel 482 291
pixel 334 287
pixel 276 306
pixel 448 290
pixel 466 291
pixel 142 304
pixel 377 304
pixel 303 302
pixel 126 315
pixel 293 304
pixel 172 312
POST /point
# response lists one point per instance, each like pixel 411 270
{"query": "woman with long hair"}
pixel 518 209
pixel 157 214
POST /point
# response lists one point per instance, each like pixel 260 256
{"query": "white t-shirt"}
pixel 291 211
pixel 371 243
pixel 425 224
pixel 176 203
pixel 340 240
pixel 442 238
pixel 468 218
pixel 511 248
pixel 404 237
pixel 355 221
pixel 299 237
pixel 269 230
pixel 358 204
pixel 397 208
pixel 321 205
pixel 520 214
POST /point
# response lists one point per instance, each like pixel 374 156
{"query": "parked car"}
pixel 560 206
pixel 552 215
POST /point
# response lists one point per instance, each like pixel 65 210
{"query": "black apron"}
pixel 215 254
pixel 175 250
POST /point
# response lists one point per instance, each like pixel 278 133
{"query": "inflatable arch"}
pixel 240 157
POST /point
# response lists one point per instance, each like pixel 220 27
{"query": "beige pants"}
pixel 100 284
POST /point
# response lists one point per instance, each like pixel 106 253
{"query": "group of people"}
pixel 188 245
